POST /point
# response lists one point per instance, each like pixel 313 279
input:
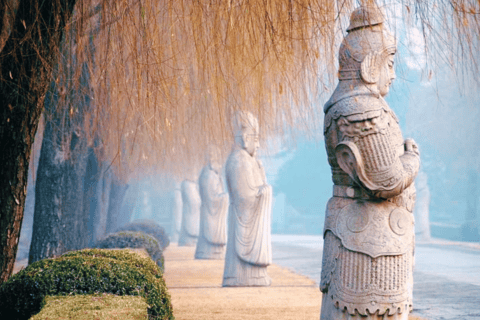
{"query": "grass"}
pixel 97 306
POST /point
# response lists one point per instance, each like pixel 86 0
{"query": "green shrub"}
pixel 134 240
pixel 100 306
pixel 149 227
pixel 87 271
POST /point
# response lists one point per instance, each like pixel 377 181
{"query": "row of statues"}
pixel 367 265
pixel 202 221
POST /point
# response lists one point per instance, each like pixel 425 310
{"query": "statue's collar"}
pixel 347 89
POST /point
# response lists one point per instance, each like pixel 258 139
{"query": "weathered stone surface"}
pixel 369 225
pixel 249 248
pixel 190 214
pixel 213 211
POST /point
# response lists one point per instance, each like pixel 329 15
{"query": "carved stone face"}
pixel 215 165
pixel 214 158
pixel 387 75
pixel 250 142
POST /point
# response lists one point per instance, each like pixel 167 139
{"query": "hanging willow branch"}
pixel 167 75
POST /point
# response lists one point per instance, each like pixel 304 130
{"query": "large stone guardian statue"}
pixel 213 211
pixel 190 213
pixel 249 248
pixel 369 225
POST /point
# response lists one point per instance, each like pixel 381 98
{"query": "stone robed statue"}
pixel 249 248
pixel 190 214
pixel 176 212
pixel 369 225
pixel 213 211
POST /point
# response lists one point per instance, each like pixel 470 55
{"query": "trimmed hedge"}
pixel 87 271
pixel 149 227
pixel 134 240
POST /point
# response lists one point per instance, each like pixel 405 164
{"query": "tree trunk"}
pixel 116 216
pixel 25 69
pixel 59 223
pixel 27 224
pixel 97 198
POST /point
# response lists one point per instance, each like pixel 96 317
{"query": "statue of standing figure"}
pixel 249 247
pixel 176 212
pixel 213 211
pixel 367 267
pixel 190 214
pixel 421 210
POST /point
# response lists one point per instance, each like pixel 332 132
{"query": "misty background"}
pixel 440 112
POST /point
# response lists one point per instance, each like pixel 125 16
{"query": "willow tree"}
pixel 29 37
pixel 169 74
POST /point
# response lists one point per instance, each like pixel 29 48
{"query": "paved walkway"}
pixel 446 274
pixel 197 294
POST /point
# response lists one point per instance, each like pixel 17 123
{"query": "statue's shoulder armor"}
pixel 357 108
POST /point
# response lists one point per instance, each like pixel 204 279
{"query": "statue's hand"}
pixel 411 146
pixel 260 163
pixel 262 171
pixel 261 190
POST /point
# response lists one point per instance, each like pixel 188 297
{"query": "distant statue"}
pixel 369 226
pixel 213 211
pixel 249 248
pixel 190 214
pixel 421 210
pixel 177 211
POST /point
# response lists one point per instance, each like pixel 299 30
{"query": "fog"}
pixel 436 107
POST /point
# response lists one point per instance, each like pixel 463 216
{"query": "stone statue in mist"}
pixel 190 212
pixel 249 248
pixel 369 225
pixel 177 211
pixel 421 210
pixel 213 211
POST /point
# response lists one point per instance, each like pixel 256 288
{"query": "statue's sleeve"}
pixel 372 152
pixel 215 190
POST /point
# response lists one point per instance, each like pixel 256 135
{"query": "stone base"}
pixel 208 250
pixel 187 241
pixel 214 254
pixel 247 282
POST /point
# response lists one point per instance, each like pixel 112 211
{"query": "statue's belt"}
pixel 350 192
pixel 375 228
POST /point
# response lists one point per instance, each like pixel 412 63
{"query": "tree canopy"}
pixel 167 76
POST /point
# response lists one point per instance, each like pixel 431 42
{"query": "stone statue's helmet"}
pixel 365 16
pixel 366 46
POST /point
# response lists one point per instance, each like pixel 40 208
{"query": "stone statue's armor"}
pixel 369 226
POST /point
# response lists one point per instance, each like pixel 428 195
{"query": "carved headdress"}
pixel 244 120
pixel 366 46
pixel 362 54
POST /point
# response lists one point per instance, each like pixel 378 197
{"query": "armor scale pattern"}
pixel 361 279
